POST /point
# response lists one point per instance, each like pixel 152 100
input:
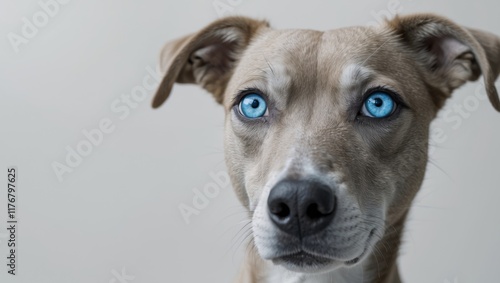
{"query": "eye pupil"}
pixel 255 103
pixel 378 102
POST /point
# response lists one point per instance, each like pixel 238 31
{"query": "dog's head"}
pixel 326 133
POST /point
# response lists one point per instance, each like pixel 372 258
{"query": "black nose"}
pixel 301 208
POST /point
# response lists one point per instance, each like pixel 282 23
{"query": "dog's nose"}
pixel 301 208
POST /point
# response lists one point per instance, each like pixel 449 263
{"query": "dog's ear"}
pixel 450 55
pixel 208 57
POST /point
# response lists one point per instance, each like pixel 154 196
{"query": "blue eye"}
pixel 378 105
pixel 253 106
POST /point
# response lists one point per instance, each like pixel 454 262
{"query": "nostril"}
pixel 320 209
pixel 281 210
pixel 313 212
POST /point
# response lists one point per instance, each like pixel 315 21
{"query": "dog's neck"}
pixel 379 267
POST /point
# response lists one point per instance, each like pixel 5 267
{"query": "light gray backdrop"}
pixel 115 217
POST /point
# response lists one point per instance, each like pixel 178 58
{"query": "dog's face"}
pixel 326 133
pixel 318 132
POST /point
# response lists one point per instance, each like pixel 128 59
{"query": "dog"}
pixel 327 132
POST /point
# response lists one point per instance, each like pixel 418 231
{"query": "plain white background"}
pixel 118 211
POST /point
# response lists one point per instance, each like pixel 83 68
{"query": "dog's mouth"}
pixel 303 260
pixel 355 260
pixel 306 261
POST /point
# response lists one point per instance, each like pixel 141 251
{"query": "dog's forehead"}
pixel 312 68
pixel 307 61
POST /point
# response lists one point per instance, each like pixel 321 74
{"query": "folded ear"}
pixel 449 54
pixel 208 57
